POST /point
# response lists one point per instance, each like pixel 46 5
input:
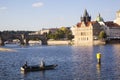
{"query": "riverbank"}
pixel 99 42
pixel 6 50
pixel 53 42
pixel 59 42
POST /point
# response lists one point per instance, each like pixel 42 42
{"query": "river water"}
pixel 74 63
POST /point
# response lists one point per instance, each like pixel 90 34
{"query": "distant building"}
pixel 86 31
pixel 117 20
pixel 113 29
pixel 52 30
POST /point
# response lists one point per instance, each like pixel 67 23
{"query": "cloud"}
pixel 3 8
pixel 37 4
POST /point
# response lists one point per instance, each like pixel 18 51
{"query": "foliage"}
pixel 102 35
pixel 62 33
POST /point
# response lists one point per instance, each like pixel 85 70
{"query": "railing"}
pixel 111 38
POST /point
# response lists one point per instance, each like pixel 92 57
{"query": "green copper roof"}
pixel 99 18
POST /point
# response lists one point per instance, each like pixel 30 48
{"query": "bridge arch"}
pixel 4 38
pixel 24 39
pixel 42 38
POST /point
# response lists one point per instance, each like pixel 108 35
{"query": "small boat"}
pixel 38 68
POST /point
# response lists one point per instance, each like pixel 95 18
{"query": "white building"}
pixel 117 20
pixel 113 29
pixel 52 30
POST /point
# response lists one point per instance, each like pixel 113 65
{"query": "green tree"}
pixel 61 33
pixel 102 35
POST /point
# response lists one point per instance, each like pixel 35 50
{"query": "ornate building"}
pixel 86 31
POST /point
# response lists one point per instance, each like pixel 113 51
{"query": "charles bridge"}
pixel 23 38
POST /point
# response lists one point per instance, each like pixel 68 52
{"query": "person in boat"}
pixel 25 65
pixel 42 64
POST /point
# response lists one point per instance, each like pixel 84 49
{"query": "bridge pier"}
pixel 44 42
pixel 1 42
pixel 24 42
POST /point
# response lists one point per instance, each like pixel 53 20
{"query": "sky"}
pixel 34 15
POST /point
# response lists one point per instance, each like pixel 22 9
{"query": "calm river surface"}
pixel 74 63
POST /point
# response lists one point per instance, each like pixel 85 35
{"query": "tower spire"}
pixel 86 13
pixel 86 17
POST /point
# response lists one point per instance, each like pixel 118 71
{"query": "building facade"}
pixel 117 20
pixel 86 31
pixel 50 30
pixel 113 29
pixel 83 34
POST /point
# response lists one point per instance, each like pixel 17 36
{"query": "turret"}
pixel 86 17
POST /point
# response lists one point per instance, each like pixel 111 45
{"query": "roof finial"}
pixel 86 13
pixel 99 14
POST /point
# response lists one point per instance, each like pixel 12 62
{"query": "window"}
pixel 83 34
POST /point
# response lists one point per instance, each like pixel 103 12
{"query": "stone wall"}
pixel 59 42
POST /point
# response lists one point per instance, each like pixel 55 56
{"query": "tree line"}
pixel 62 33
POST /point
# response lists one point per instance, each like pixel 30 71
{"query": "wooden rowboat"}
pixel 38 68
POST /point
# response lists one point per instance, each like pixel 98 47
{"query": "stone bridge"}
pixel 24 39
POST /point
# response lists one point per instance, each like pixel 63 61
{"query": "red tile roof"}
pixel 79 24
pixel 87 24
pixel 108 23
pixel 111 24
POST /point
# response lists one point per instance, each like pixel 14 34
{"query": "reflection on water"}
pixel 74 63
pixel 98 67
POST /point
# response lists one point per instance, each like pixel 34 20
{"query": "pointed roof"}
pixel 85 18
pixel 85 13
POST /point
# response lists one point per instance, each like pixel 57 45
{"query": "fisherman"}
pixel 42 64
pixel 25 65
